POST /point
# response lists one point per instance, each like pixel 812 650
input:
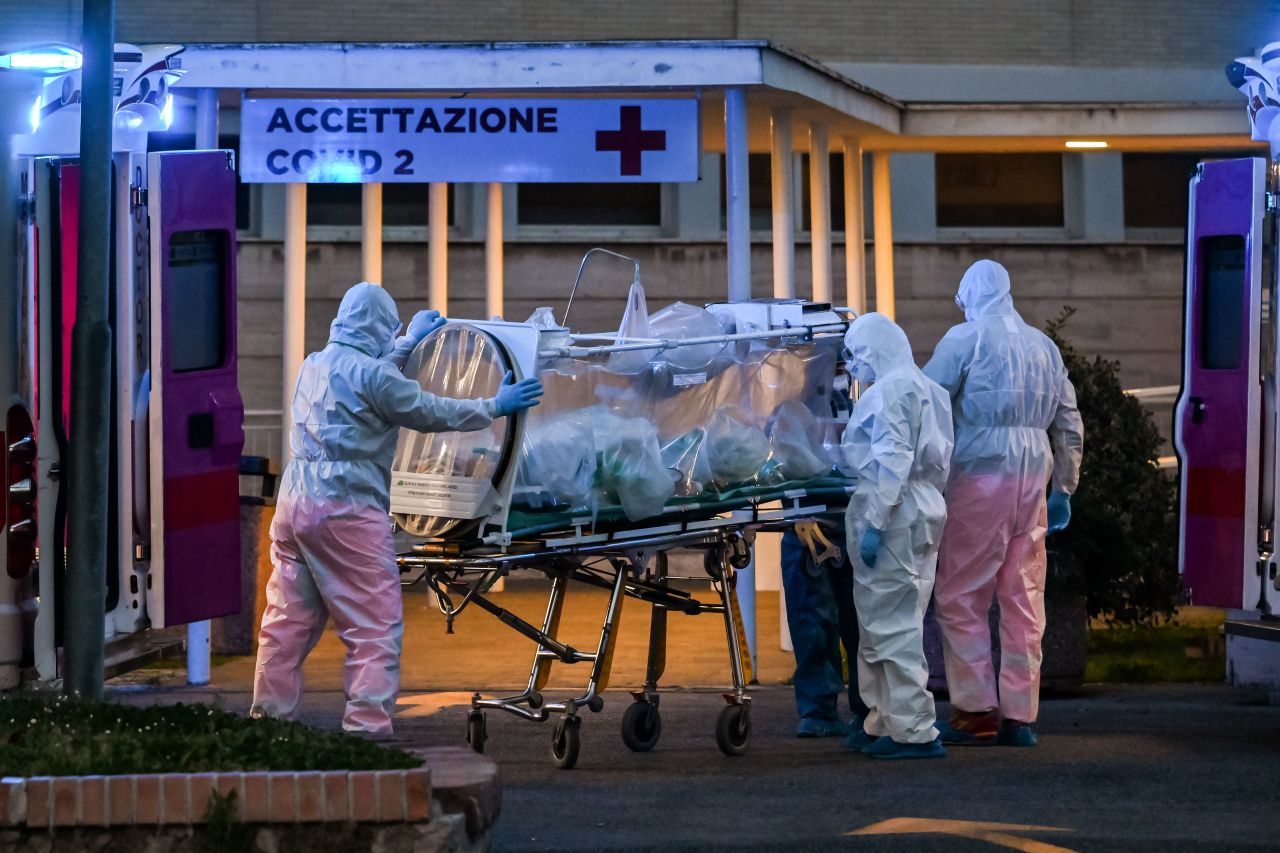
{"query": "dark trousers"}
pixel 820 616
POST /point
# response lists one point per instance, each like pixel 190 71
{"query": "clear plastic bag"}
pixel 796 440
pixel 737 449
pixel 543 318
pixel 635 324
pixel 630 466
pixel 559 461
pixel 686 458
pixel 681 321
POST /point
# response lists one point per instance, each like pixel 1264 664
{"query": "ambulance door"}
pixel 196 418
pixel 1218 419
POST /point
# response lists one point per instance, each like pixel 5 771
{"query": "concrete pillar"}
pixel 438 247
pixel 737 202
pixel 882 224
pixel 784 243
pixel 738 228
pixel 820 210
pixel 493 283
pixel 371 233
pixel 855 246
pixel 295 297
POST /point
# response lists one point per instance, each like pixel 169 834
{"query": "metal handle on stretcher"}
pixel 634 344
pixel 564 321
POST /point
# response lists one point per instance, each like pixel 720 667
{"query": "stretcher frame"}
pixel 628 563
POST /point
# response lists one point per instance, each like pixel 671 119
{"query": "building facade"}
pixel 1100 231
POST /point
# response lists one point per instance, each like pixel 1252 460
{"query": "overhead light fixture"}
pixel 1087 143
pixel 45 59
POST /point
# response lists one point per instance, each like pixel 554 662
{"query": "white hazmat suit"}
pixel 1011 395
pixel 897 444
pixel 331 541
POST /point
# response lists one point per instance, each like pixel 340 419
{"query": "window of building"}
pixel 999 190
pixel 589 204
pixel 339 204
pixel 837 194
pixel 759 192
pixel 1155 185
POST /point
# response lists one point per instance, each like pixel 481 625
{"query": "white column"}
pixel 371 233
pixel 784 246
pixel 882 224
pixel 820 210
pixel 855 245
pixel 738 228
pixel 493 281
pixel 295 296
pixel 438 247
pixel 737 201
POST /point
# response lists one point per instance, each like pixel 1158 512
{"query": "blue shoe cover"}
pixel 815 727
pixel 859 740
pixel 894 750
pixel 1013 733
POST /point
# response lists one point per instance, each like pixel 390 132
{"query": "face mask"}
pixel 862 372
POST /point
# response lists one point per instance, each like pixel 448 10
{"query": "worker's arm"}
pixel 402 402
pixel 1066 433
pixel 951 359
pixel 884 480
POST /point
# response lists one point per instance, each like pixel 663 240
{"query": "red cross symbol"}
pixel 630 141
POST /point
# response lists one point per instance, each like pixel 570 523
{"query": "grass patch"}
pixel 1169 653
pixel 58 737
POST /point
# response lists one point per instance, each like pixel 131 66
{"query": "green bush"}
pixel 1122 545
pixel 57 737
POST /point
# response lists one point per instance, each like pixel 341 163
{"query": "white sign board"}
pixel 374 140
pixel 440 495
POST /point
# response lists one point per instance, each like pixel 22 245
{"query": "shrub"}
pixel 1122 544
pixel 42 737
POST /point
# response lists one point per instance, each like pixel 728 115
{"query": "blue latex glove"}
pixel 517 396
pixel 1059 511
pixel 423 324
pixel 868 547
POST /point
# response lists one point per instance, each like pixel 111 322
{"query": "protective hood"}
pixel 367 320
pixel 877 342
pixel 984 291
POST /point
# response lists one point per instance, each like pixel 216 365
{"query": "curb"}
pixel 383 796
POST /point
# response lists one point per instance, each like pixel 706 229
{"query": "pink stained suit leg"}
pixel 974 545
pixel 1020 591
pixel 360 584
pixel 292 623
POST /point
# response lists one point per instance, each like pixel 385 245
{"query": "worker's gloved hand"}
pixel 869 546
pixel 423 324
pixel 1059 511
pixel 517 396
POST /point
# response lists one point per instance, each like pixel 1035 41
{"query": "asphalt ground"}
pixel 1119 768
pixel 1133 768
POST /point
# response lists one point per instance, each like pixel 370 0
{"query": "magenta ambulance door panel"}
pixel 196 415
pixel 1218 421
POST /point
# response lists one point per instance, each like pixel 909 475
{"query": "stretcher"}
pixel 643 445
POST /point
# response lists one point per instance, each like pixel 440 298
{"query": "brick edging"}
pixel 374 796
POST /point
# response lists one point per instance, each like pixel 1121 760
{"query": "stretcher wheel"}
pixel 596 704
pixel 733 729
pixel 641 727
pixel 565 742
pixel 476 733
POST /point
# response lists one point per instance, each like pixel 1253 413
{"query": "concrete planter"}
pixel 397 811
pixel 1065 655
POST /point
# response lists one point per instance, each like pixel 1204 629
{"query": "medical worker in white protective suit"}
pixel 331 541
pixel 898 444
pixel 1011 397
